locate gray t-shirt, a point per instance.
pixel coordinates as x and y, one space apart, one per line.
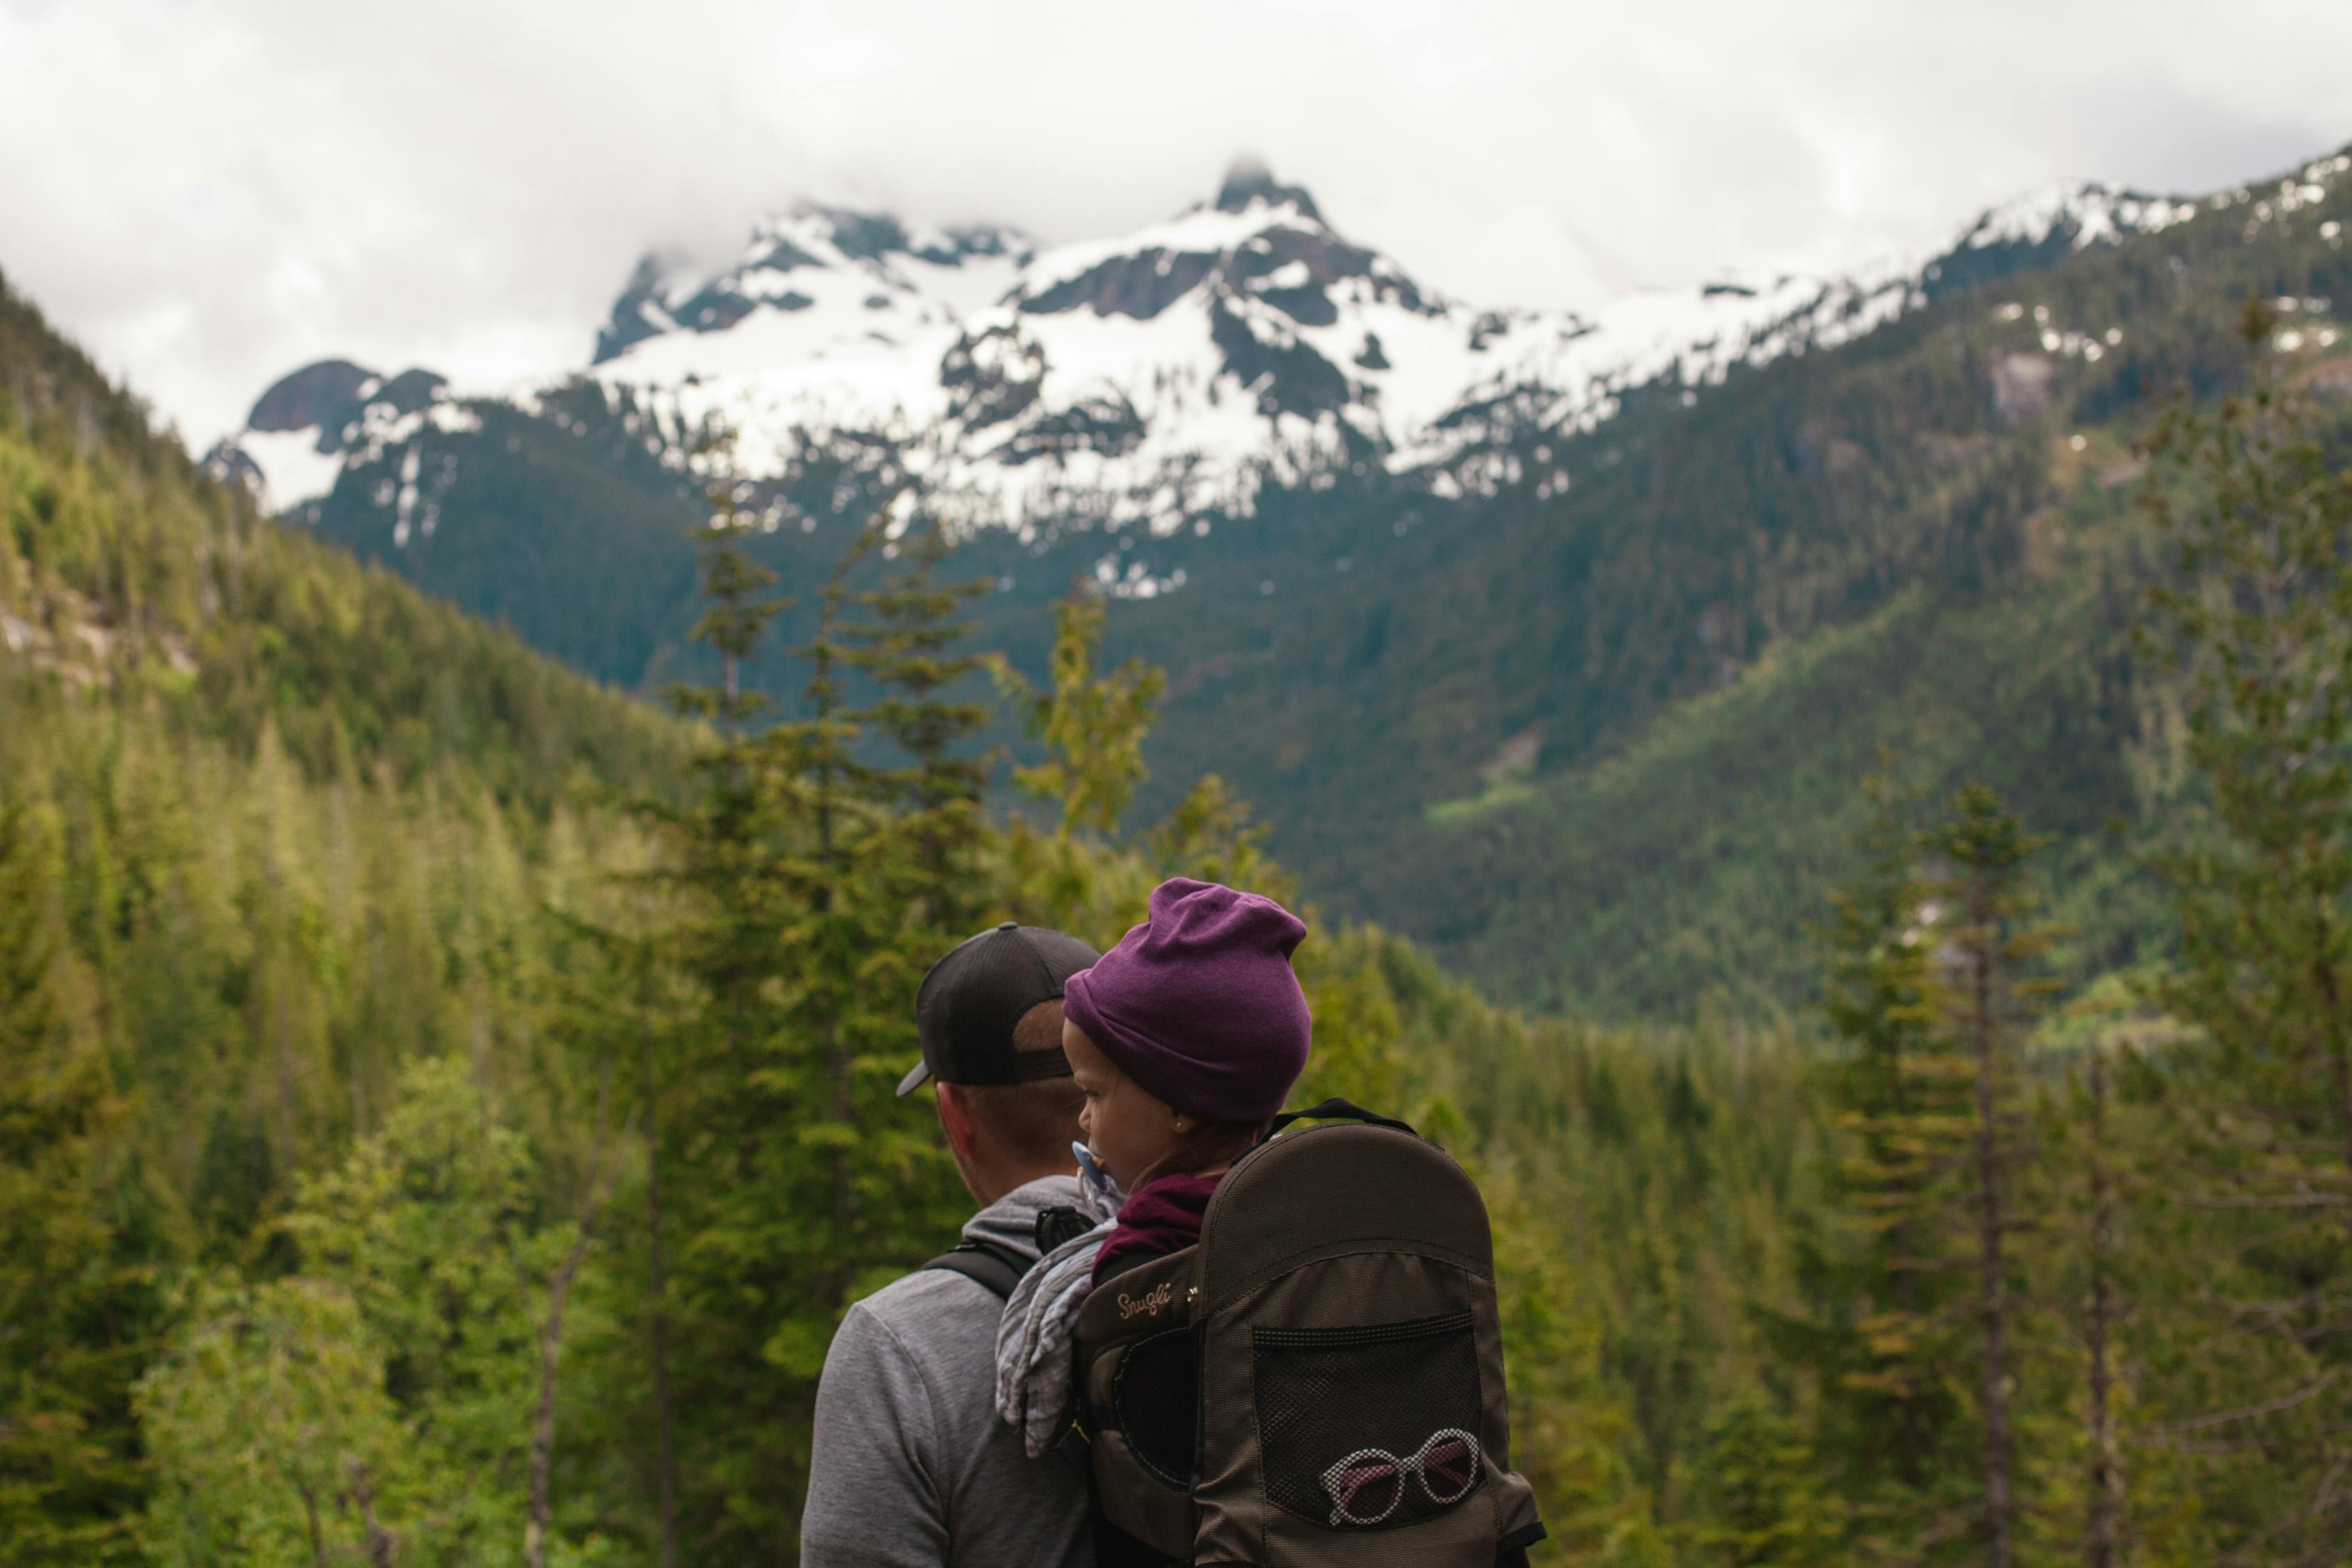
911 1467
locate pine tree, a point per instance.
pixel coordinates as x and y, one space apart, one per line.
896 795
1991 1004
2258 504
1092 725
2103 1489
909 648
736 610
598 1013
1882 1336
711 1114
1210 835
1931 960
881 878
826 861
1765 1502
651 1026
72 1310
394 1401
275 1444
433 1230
622 1008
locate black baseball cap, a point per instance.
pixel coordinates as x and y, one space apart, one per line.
971 1000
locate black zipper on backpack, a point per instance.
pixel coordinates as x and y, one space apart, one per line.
1363 1334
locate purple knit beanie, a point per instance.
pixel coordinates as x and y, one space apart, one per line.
1198 1004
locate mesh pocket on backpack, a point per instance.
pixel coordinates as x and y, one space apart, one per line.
1371 1427
1154 1398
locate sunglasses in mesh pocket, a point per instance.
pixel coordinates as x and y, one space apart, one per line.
1369 1485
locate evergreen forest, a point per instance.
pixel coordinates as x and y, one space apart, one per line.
446 1105
1588 735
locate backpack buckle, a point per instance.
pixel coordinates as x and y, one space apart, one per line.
1073 1447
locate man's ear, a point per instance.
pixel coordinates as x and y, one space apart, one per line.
955 1120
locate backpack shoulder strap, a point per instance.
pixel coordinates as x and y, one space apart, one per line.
991 1266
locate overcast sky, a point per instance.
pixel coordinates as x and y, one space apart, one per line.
207 194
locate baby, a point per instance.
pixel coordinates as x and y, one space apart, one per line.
1185 1039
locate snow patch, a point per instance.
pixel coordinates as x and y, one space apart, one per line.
293 470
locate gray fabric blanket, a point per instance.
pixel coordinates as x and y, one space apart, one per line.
1035 1362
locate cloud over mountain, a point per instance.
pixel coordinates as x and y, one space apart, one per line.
225 190
1156 377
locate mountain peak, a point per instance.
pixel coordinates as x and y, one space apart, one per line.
2038 227
857 234
1163 373
331 395
1248 182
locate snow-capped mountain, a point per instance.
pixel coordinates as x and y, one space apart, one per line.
1154 378
820 264
295 439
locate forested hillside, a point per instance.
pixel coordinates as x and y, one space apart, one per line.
361 988
1924 540
1582 728
445 1108
272 829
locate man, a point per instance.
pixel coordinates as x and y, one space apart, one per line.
911 1466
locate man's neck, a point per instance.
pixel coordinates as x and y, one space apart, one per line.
993 1187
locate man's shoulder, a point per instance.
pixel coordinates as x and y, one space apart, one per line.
932 1307
931 1340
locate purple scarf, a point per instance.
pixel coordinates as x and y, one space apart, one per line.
1163 1217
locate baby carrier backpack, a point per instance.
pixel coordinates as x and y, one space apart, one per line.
1319 1381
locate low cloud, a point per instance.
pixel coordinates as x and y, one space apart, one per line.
206 196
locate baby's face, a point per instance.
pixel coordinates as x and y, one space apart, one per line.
1130 1130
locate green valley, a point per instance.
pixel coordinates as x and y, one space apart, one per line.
336 1013
1362 651
1884 964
